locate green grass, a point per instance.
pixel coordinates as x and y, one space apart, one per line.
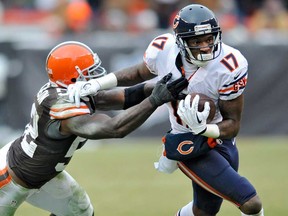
121 180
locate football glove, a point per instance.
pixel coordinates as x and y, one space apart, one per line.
81 89
164 92
176 86
160 93
189 114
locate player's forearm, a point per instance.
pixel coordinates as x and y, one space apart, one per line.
132 118
231 112
122 98
101 126
110 99
228 128
133 75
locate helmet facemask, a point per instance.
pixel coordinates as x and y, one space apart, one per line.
92 72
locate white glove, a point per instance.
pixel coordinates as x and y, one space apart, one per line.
166 165
191 116
81 89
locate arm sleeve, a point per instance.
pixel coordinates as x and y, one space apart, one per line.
134 95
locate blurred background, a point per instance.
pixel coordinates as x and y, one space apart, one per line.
119 31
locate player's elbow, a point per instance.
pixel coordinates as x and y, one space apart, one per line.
228 134
229 131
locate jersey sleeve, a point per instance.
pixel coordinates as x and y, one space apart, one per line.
235 80
155 52
62 110
57 105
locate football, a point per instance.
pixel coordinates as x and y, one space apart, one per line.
202 100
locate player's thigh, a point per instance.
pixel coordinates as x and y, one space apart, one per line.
214 173
12 196
63 196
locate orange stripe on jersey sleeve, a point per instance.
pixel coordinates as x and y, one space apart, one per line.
236 86
226 90
59 109
64 112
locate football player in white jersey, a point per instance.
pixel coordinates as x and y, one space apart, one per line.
196 52
32 166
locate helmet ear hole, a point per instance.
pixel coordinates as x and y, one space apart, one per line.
73 80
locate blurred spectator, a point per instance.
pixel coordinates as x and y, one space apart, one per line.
97 11
66 16
95 5
45 5
133 17
246 8
78 15
54 23
58 17
19 4
166 11
225 10
142 17
272 15
1 11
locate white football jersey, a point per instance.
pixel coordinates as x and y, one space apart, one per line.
223 78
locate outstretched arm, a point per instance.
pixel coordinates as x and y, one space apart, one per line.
99 126
133 75
122 98
125 77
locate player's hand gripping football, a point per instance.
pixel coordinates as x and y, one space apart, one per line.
190 114
164 92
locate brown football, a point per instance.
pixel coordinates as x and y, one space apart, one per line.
202 100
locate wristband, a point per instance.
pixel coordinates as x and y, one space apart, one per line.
212 131
108 81
134 95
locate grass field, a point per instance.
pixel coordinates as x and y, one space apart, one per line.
121 180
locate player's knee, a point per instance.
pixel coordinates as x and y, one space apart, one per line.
80 205
252 206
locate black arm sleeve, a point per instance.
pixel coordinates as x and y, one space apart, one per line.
134 95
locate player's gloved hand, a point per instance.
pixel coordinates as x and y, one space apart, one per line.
160 93
165 165
164 92
176 86
189 113
81 89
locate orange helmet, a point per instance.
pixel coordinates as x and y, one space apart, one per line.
72 61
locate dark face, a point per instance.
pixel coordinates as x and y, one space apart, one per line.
201 44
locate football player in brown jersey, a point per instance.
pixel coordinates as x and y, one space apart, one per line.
32 167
